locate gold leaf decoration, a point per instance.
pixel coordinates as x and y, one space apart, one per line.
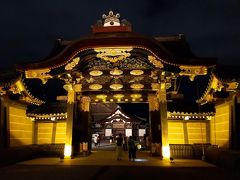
95 73
136 72
42 74
113 54
85 103
155 62
72 64
95 86
137 86
153 103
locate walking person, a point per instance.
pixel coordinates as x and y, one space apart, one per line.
131 149
98 140
119 147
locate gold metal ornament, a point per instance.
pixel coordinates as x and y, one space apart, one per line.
116 86
42 74
95 73
137 72
113 54
72 64
85 103
153 102
157 63
116 72
137 86
95 86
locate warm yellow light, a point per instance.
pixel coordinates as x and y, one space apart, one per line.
137 86
101 96
118 96
116 72
116 86
96 73
95 86
67 151
136 96
136 72
166 152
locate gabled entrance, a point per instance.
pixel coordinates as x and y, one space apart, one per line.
113 64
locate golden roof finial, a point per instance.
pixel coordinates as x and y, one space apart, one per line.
111 19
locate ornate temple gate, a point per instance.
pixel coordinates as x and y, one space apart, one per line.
114 64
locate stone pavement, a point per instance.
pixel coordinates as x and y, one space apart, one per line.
102 165
107 158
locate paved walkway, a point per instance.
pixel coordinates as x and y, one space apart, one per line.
102 165
107 158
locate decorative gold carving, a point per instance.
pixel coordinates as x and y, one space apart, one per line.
85 103
71 93
116 86
155 86
39 73
137 86
118 96
213 86
101 96
136 72
216 84
153 103
71 96
77 87
232 86
95 73
17 88
111 19
155 62
161 93
135 96
113 54
116 72
193 71
68 87
95 86
72 64
160 89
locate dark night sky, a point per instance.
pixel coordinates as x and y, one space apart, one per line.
29 28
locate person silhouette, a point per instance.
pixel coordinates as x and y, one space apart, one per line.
119 147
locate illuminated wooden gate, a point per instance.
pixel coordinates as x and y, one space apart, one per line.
113 64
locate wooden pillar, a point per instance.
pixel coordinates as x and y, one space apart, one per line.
164 122
155 124
68 149
4 123
54 130
83 136
208 132
185 132
34 132
1 123
235 124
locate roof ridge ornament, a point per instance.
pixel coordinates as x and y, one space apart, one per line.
111 19
111 23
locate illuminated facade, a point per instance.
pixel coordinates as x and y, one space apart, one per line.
115 65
